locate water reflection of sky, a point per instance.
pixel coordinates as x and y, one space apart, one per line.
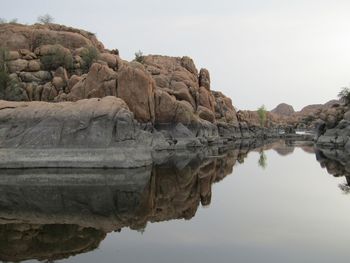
292 211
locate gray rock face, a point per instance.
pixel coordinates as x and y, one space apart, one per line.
87 123
99 133
337 135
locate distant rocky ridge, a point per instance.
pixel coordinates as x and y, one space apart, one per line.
283 109
308 117
330 122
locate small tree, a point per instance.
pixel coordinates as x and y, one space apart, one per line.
262 113
3 20
45 19
139 57
344 95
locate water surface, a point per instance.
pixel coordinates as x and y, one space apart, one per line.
273 204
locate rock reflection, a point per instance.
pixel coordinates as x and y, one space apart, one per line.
53 214
46 242
337 163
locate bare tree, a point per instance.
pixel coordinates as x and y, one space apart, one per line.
45 19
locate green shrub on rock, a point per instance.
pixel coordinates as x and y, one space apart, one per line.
89 56
14 91
4 76
344 95
262 113
57 57
139 57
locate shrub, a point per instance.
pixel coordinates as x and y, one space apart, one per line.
14 91
57 57
139 57
45 19
4 76
12 21
262 113
344 95
89 56
41 39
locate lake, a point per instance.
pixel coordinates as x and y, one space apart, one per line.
270 204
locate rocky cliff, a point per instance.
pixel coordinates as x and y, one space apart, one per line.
61 88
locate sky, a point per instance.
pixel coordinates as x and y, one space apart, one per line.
257 51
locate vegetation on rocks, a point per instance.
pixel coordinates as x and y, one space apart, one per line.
45 19
56 58
139 57
10 88
12 21
344 95
89 56
262 113
4 76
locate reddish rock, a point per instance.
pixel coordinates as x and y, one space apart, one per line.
204 78
283 109
136 88
99 82
17 36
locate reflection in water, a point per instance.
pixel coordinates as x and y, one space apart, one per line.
337 163
262 160
51 214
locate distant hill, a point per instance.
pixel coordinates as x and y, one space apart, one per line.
284 109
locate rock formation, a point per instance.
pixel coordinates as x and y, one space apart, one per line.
283 109
74 93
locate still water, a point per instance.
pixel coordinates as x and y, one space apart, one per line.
271 204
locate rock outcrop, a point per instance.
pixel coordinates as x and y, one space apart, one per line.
283 109
74 93
333 130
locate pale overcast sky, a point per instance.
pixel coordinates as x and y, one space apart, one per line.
257 51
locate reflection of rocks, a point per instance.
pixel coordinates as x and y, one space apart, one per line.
38 205
25 241
284 150
337 162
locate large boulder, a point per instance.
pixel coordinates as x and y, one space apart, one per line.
17 36
204 78
101 81
88 123
136 88
170 111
